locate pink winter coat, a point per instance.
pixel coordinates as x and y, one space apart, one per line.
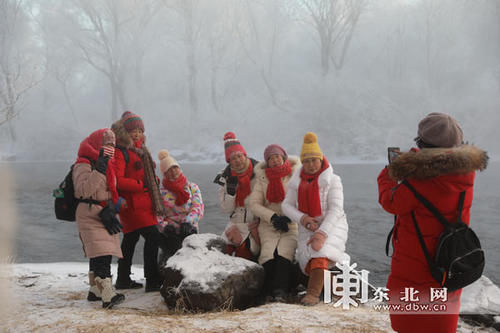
91 184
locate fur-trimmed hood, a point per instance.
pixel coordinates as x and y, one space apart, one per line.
123 139
434 162
260 169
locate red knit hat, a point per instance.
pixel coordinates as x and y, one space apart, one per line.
232 145
132 121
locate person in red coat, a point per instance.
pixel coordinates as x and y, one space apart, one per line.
439 170
139 217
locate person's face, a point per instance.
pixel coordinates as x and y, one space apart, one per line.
173 173
237 161
136 134
275 160
311 165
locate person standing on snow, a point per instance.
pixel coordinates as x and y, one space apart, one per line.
277 233
137 183
236 182
95 186
315 199
440 169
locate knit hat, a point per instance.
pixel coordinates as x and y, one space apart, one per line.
310 147
440 130
132 121
166 161
274 149
232 145
108 139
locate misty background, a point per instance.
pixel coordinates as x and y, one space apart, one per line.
359 73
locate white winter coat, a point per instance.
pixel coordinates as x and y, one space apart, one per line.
239 216
333 221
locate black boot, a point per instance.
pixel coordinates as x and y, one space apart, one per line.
153 285
281 279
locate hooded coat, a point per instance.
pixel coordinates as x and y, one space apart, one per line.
91 184
131 186
333 222
440 175
270 238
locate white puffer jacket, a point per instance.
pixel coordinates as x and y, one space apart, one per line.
333 221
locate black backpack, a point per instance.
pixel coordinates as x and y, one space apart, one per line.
65 202
459 259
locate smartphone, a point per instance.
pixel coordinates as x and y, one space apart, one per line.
392 153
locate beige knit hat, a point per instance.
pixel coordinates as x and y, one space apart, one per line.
440 130
166 161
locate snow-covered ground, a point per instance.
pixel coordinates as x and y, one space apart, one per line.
52 298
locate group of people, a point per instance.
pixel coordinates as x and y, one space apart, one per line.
282 210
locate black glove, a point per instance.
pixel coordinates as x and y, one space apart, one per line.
231 183
109 220
102 162
186 229
280 223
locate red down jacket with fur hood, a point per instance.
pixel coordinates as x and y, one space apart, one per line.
440 175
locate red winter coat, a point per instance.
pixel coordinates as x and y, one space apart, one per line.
439 175
130 183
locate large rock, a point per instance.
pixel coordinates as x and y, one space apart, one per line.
201 277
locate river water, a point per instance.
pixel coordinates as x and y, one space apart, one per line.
41 238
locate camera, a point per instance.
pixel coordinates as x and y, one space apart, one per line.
393 153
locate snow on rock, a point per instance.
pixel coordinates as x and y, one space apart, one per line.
483 296
201 277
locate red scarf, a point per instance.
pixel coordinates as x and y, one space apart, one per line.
275 190
177 187
308 196
243 188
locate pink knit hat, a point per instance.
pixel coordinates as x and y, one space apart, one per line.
232 146
274 149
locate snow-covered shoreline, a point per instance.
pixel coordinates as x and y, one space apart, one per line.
52 297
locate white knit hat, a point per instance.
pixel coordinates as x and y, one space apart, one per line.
166 161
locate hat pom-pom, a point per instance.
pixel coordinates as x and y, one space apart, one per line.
163 154
229 135
310 137
126 113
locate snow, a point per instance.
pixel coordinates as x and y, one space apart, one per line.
202 266
52 297
483 296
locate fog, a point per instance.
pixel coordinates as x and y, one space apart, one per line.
359 73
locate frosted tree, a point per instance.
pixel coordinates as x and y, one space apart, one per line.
334 22
20 70
109 39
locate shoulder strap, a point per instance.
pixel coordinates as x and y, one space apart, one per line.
429 206
461 205
125 154
389 236
434 269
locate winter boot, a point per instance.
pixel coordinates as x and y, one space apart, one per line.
94 292
108 294
152 285
314 287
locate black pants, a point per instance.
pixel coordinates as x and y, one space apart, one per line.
151 240
278 274
101 266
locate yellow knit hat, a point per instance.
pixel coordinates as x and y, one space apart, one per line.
310 148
